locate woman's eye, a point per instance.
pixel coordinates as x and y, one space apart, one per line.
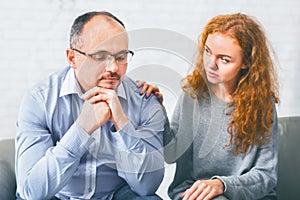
207 51
224 60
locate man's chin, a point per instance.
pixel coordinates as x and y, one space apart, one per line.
111 86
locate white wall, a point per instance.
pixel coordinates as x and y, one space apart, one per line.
34 36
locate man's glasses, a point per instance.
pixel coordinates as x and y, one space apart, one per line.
122 57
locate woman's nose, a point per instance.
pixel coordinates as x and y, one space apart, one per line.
212 63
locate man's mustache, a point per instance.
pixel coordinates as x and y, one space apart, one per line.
111 75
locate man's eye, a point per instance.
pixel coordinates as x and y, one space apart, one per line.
121 57
100 57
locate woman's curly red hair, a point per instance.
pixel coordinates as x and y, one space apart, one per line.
256 88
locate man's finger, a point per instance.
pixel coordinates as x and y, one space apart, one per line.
97 98
90 93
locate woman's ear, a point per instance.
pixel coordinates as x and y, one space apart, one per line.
244 69
244 66
71 58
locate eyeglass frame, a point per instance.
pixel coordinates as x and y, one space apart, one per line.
107 58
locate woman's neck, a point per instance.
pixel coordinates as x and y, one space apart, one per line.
221 92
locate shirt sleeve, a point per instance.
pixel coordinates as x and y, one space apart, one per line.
261 178
43 168
139 152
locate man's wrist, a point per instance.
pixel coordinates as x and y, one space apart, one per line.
88 129
120 123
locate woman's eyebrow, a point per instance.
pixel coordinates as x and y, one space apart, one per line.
220 55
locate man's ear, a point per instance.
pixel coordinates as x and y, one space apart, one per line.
71 58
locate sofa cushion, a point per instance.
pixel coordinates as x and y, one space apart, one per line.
7 181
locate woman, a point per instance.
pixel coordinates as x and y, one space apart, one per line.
223 135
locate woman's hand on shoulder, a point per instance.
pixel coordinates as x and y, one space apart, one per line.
148 89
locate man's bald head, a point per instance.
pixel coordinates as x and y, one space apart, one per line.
80 21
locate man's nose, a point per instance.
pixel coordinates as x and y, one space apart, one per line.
111 65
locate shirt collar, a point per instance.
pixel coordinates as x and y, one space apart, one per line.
71 86
121 91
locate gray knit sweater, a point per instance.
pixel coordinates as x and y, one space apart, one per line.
196 140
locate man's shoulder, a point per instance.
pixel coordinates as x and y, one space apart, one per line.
130 86
129 82
133 91
52 83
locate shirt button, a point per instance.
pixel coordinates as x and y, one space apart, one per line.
90 189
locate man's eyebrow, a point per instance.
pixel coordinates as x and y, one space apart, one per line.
101 52
107 52
120 52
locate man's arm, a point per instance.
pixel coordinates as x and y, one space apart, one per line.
138 147
43 169
140 158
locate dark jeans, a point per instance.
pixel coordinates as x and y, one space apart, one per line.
53 198
125 193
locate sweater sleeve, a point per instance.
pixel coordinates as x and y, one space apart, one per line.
261 178
169 137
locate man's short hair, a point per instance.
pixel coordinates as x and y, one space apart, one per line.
81 20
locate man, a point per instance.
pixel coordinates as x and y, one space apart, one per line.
86 132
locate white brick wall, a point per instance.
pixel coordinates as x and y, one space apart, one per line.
34 36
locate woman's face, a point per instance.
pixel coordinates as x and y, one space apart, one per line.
222 59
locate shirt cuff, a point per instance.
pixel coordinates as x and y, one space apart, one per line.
76 140
125 138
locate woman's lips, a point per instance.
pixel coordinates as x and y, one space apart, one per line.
212 75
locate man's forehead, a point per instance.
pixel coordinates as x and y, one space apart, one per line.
116 42
112 49
102 23
101 32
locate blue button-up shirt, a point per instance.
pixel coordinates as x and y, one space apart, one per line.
55 156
